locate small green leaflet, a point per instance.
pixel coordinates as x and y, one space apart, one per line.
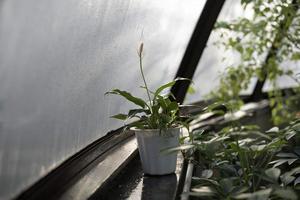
168 85
119 116
129 97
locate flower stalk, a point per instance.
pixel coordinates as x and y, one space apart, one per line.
140 53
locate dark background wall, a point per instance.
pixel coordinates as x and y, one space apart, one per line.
58 57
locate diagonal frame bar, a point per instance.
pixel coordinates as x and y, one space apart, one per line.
196 46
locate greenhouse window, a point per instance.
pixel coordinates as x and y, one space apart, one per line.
150 100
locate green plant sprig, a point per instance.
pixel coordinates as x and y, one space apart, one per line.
241 162
274 30
158 113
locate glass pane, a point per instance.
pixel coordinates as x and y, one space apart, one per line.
58 58
214 59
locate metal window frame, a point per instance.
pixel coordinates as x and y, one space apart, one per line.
196 47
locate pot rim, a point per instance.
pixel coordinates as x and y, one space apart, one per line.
151 130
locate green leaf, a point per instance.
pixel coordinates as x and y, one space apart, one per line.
290 134
204 191
282 161
250 127
173 106
133 112
273 174
273 130
129 97
182 139
295 170
207 173
291 161
227 185
297 181
251 133
166 119
278 162
200 180
286 155
168 85
246 2
163 102
259 195
191 90
238 190
179 148
214 106
296 127
137 124
258 147
295 56
222 24
297 150
197 134
120 116
287 178
285 193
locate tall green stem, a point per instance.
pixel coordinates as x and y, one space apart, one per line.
145 83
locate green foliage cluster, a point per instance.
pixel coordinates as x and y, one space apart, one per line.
263 42
157 112
241 162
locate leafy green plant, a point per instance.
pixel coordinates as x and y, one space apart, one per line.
157 112
241 162
264 41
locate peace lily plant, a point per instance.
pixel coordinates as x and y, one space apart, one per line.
157 126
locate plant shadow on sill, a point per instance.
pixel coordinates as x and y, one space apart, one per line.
131 184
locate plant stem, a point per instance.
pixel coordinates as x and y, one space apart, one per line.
145 83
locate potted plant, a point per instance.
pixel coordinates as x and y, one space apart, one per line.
158 125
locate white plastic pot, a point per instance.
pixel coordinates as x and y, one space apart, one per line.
150 145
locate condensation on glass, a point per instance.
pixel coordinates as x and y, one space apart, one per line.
58 58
